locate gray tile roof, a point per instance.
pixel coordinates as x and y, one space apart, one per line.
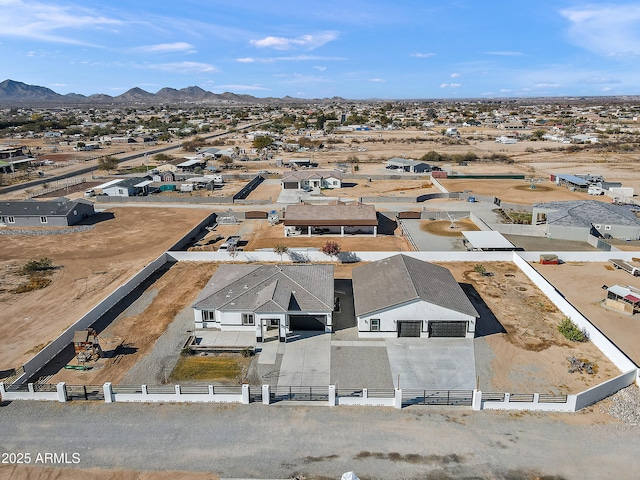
269 288
400 279
59 207
582 213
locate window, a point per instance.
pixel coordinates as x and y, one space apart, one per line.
207 315
43 219
607 227
375 324
247 319
598 226
11 220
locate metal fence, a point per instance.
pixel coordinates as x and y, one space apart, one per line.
437 397
301 394
85 392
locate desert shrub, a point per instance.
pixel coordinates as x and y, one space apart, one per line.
36 266
571 332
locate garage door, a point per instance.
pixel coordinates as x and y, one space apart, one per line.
409 329
447 329
307 322
290 185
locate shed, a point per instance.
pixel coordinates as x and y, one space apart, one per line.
487 241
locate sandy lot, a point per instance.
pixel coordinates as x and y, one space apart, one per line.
581 284
530 354
518 191
90 265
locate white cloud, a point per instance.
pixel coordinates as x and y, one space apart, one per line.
238 87
608 30
547 85
450 85
166 48
182 67
377 80
319 68
505 54
51 23
293 58
308 42
423 55
455 75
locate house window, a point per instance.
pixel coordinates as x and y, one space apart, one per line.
375 324
11 220
607 227
598 227
247 319
207 315
43 219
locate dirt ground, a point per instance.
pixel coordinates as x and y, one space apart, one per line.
25 472
174 291
529 354
264 235
518 191
445 228
581 284
90 265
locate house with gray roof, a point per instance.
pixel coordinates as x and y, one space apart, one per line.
309 179
401 296
260 297
582 219
408 165
60 212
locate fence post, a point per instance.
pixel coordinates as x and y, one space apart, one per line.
30 387
108 392
210 389
144 390
476 402
2 389
398 398
332 395
61 388
536 398
266 394
177 388
365 393
245 393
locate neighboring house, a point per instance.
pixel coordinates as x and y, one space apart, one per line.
126 187
623 299
580 219
584 138
338 218
61 212
401 296
191 163
408 165
260 297
308 179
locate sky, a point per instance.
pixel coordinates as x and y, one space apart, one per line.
355 49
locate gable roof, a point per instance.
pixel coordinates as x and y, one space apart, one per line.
309 174
400 279
269 288
55 208
354 214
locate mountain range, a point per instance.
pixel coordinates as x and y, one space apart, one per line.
18 93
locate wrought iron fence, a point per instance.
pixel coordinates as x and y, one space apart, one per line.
301 394
437 397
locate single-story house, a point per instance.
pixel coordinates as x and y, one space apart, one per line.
60 212
336 218
408 165
401 296
308 179
580 219
191 163
126 187
260 297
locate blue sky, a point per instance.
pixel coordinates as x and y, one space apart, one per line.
351 48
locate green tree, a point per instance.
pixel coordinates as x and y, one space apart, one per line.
107 163
226 161
262 142
162 158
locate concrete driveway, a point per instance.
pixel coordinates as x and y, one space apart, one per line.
306 360
432 364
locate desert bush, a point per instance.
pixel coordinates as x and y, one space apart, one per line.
571 332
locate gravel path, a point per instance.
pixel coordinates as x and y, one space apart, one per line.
625 405
155 367
280 441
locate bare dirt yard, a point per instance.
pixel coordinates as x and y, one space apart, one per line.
386 188
172 292
517 191
528 352
264 235
89 266
581 284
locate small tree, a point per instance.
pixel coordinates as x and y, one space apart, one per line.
262 142
226 161
479 268
331 248
107 163
280 249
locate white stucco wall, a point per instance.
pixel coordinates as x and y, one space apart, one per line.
416 310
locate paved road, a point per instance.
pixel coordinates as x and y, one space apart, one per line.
278 441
